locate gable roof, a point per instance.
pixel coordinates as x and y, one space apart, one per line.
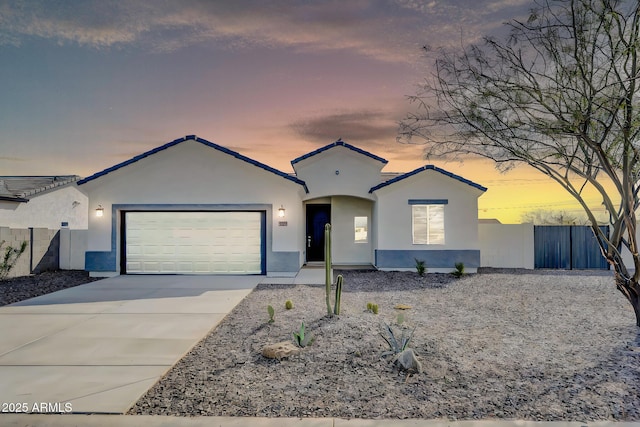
19 188
339 143
204 142
424 168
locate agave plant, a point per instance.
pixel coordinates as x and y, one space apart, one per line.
302 339
396 345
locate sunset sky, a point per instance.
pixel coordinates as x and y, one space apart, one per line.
87 84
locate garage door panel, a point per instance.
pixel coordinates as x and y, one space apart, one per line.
194 242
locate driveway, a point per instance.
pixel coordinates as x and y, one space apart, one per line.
98 347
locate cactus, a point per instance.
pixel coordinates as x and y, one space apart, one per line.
374 308
336 308
328 278
327 266
272 313
288 304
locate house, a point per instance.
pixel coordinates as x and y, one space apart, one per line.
42 202
194 207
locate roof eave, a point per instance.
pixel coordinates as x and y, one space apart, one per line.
424 168
204 142
338 143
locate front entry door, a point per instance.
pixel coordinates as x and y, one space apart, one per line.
317 217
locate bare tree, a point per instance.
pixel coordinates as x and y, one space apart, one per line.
561 95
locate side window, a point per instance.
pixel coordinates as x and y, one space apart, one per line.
361 229
428 224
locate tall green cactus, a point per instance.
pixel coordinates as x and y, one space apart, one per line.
336 308
328 278
327 266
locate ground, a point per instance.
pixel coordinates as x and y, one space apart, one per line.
21 288
508 345
499 344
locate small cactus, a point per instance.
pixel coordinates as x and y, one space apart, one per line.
288 304
272 313
372 308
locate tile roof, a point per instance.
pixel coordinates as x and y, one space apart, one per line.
19 188
423 168
204 142
339 143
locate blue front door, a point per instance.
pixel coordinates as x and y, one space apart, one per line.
317 217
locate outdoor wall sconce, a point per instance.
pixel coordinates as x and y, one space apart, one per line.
281 212
99 211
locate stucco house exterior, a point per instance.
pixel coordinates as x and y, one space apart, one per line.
42 202
194 207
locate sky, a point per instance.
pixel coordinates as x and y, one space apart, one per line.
87 84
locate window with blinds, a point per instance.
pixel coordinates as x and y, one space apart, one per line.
428 224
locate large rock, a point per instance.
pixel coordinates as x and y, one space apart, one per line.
280 350
408 361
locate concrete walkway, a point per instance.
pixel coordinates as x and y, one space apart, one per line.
98 347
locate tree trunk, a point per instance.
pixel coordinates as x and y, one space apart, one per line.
631 290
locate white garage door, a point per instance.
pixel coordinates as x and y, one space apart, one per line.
193 242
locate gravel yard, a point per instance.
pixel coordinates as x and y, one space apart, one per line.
500 344
513 344
21 288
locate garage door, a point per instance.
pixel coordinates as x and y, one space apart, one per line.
193 242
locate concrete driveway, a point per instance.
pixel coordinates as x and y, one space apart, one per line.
98 347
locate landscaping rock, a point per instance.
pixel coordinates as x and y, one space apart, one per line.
280 350
408 361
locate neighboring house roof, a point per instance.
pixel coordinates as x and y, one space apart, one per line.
20 188
339 143
13 199
424 168
204 142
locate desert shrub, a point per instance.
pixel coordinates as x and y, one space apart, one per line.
420 267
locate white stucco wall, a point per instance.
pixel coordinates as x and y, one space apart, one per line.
627 258
48 210
73 245
344 248
356 173
191 173
506 245
393 213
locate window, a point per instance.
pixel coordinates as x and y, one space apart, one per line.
360 227
428 224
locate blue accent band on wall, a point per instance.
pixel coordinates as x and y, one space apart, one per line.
442 258
428 201
100 261
284 262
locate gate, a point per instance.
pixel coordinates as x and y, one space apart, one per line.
568 247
